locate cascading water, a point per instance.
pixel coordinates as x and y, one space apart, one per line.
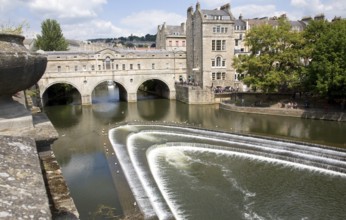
188 173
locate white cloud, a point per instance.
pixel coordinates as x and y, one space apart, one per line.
253 11
93 29
145 22
329 8
299 3
67 9
210 4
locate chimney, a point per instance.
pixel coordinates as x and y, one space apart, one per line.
226 7
198 6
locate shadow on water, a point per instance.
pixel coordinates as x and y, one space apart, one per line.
150 110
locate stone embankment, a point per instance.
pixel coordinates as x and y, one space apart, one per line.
31 182
23 193
308 113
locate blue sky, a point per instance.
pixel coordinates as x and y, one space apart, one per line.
82 19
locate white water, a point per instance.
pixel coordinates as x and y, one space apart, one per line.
131 159
180 160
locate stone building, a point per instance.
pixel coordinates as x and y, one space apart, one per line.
210 46
129 69
171 37
240 27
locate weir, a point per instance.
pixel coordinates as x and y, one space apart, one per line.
139 148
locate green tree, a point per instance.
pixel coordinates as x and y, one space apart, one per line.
273 64
326 46
52 38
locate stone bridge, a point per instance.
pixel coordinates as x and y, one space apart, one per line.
129 69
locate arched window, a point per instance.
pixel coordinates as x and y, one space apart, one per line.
108 63
218 61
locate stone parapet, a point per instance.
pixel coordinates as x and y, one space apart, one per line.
23 193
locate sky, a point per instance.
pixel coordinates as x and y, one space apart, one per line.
88 19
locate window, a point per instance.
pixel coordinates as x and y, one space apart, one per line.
170 43
75 68
183 43
213 76
223 75
220 29
218 75
218 62
117 66
92 67
218 45
124 67
108 63
236 42
99 67
139 66
223 45
84 68
131 66
177 43
153 66
59 68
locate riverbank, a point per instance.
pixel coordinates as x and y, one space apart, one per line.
307 113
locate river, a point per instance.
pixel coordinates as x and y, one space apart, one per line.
80 151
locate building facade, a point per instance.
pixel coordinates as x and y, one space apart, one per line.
210 46
170 37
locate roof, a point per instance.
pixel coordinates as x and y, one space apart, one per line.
215 12
174 29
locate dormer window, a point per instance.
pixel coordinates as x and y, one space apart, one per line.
217 17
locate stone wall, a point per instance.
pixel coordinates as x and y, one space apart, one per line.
298 113
194 95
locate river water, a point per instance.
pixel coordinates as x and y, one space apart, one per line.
80 152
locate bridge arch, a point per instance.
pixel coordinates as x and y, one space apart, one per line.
45 89
159 87
122 90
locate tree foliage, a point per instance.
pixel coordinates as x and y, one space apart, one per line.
326 44
273 64
52 38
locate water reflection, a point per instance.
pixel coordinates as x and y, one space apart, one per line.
81 142
153 110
